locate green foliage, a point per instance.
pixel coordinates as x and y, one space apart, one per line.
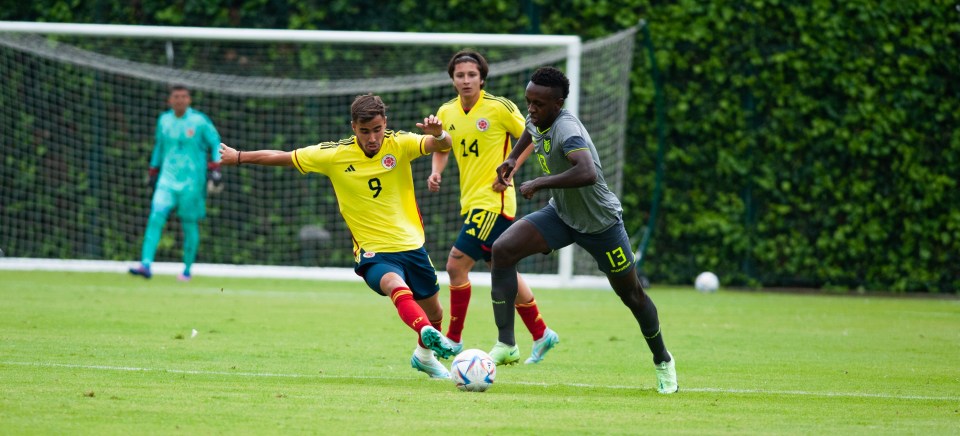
808 144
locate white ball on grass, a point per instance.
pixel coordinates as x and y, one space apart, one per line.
707 282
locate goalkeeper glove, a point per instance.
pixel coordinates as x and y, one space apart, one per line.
152 175
213 173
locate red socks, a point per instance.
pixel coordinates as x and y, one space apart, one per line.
531 318
459 302
410 312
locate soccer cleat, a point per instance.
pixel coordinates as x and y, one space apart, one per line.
141 270
457 347
667 376
542 345
183 277
504 354
436 341
431 367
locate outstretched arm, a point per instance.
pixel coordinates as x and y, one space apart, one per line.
273 158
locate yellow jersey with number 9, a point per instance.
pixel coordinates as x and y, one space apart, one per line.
375 194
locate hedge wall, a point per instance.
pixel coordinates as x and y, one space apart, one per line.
808 143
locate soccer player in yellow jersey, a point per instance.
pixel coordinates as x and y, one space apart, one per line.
481 125
371 175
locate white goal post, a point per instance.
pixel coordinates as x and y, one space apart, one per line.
29 49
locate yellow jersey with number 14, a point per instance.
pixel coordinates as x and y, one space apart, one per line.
375 194
481 142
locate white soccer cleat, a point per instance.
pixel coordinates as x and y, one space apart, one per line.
542 345
431 366
667 376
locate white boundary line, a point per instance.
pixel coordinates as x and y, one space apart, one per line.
277 272
579 385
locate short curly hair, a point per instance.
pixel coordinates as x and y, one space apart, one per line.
468 55
552 78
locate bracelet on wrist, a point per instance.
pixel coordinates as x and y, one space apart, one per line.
443 135
238 157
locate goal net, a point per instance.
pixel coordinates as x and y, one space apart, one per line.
78 107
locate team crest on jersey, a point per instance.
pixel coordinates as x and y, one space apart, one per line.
389 161
483 124
546 145
369 254
190 133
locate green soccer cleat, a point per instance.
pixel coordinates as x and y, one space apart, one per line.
431 367
504 354
542 345
436 341
667 376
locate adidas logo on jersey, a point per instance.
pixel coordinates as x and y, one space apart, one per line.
451 128
350 169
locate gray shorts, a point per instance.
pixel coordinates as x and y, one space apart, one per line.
610 247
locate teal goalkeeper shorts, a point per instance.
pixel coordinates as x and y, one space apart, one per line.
190 202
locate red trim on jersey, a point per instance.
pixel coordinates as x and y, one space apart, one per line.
420 215
503 195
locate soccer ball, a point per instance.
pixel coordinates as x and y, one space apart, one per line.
707 282
473 370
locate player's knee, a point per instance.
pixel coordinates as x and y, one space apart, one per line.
453 268
457 267
159 215
504 254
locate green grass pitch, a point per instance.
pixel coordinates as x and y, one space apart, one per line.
94 353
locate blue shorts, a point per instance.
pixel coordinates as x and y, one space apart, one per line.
610 247
413 266
190 202
480 229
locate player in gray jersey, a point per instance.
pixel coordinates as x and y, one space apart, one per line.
582 210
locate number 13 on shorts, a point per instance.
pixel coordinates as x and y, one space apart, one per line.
617 259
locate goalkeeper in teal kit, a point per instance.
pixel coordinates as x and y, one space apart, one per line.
185 156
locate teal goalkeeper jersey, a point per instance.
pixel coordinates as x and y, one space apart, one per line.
182 149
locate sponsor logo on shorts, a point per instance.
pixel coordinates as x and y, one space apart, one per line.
369 254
